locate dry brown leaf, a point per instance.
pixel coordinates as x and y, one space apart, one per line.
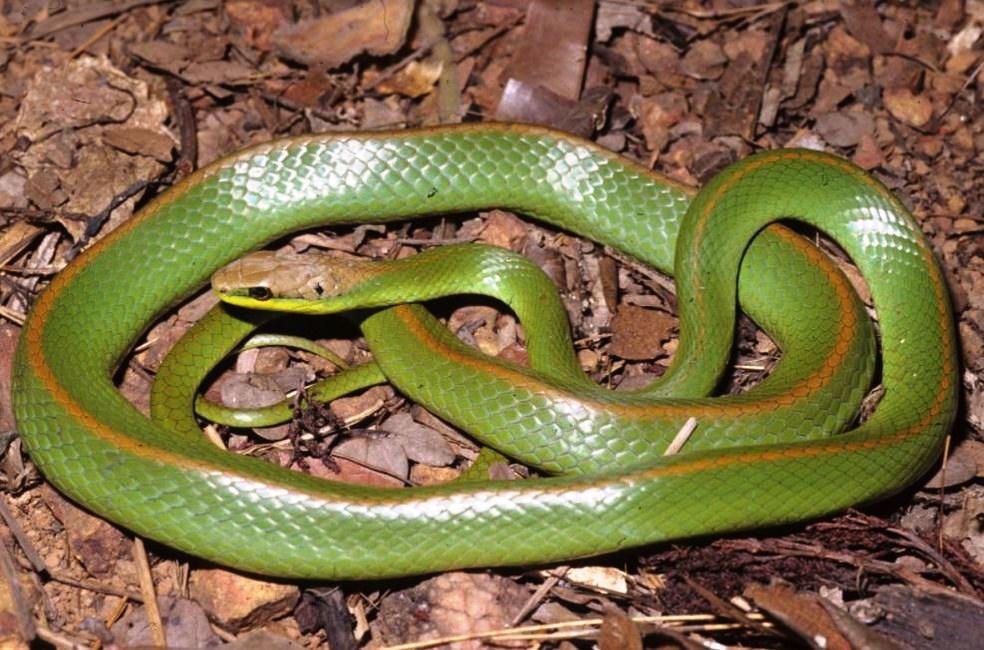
378 451
382 113
704 60
504 229
237 602
868 155
377 27
415 80
553 48
262 640
657 57
185 626
424 475
960 467
347 471
9 334
618 632
864 23
844 128
599 577
145 142
422 444
256 390
65 112
964 524
358 407
163 54
310 90
911 109
802 613
614 15
218 72
657 115
257 21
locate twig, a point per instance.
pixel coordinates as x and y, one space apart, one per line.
448 85
95 587
726 609
25 624
149 596
83 15
29 550
184 116
523 632
18 269
939 510
14 317
681 438
61 640
96 36
713 13
541 592
916 542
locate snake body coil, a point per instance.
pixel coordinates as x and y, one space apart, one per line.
176 487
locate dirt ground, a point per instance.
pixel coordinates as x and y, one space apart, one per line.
105 104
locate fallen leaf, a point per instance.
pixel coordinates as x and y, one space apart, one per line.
504 229
141 141
378 27
377 451
422 444
185 626
868 155
618 632
8 343
415 80
600 577
351 410
218 72
257 21
657 115
262 640
255 390
914 110
704 60
163 54
237 602
844 128
801 613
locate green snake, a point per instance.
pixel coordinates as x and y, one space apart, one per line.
171 485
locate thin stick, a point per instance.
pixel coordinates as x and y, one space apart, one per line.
681 438
149 596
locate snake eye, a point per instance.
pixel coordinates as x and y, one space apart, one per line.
260 293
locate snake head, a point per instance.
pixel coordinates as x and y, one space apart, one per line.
288 281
